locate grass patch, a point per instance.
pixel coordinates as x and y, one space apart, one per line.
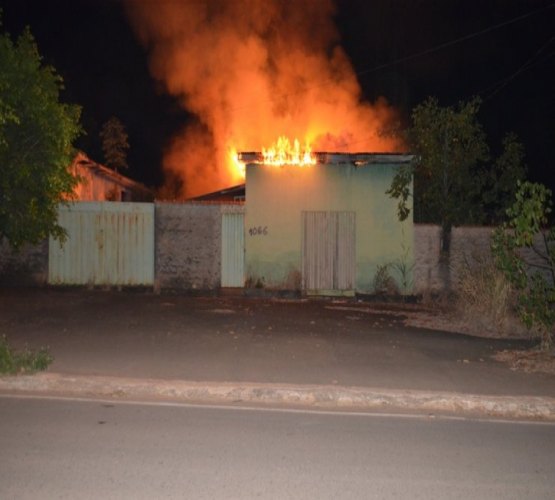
485 294
25 361
486 301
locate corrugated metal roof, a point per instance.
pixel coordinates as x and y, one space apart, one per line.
233 194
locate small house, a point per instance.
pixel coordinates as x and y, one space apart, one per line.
100 183
328 228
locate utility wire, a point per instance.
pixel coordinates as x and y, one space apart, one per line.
455 41
431 50
529 64
526 66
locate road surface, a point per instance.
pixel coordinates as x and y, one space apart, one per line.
92 449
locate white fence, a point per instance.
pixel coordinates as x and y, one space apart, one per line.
108 244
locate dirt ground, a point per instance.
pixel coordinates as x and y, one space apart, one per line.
236 314
440 317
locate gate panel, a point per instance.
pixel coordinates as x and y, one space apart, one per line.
317 263
328 251
108 244
233 250
345 263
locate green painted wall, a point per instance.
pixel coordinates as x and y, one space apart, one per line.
276 196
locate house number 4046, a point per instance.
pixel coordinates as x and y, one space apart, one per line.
258 231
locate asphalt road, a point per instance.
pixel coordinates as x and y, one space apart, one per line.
75 449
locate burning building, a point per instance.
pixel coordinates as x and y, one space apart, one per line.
248 72
325 227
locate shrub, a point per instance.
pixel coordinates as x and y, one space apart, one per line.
26 361
535 282
383 282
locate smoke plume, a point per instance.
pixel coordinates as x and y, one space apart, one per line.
250 71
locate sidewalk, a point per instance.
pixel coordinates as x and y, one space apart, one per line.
319 353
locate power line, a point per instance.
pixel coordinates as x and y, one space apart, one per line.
455 41
416 55
529 64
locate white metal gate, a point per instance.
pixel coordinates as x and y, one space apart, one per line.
109 243
328 251
233 250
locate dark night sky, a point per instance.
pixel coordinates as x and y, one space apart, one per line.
512 67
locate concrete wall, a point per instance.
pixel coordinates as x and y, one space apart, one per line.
187 250
467 243
276 197
188 246
432 275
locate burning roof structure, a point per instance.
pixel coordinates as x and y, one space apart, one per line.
357 159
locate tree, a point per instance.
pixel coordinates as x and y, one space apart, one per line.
36 136
533 278
450 147
502 179
453 181
114 143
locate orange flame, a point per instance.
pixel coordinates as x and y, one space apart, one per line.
236 166
245 83
283 153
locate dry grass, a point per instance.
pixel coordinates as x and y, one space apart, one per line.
486 300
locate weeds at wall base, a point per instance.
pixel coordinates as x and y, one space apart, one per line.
26 361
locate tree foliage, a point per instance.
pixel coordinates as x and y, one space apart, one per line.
534 279
114 143
36 136
451 182
502 179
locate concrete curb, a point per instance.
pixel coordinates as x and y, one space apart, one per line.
313 396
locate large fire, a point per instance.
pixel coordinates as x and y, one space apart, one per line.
250 71
284 153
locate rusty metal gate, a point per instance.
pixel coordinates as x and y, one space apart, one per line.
233 250
328 252
109 243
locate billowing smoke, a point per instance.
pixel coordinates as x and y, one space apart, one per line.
250 71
